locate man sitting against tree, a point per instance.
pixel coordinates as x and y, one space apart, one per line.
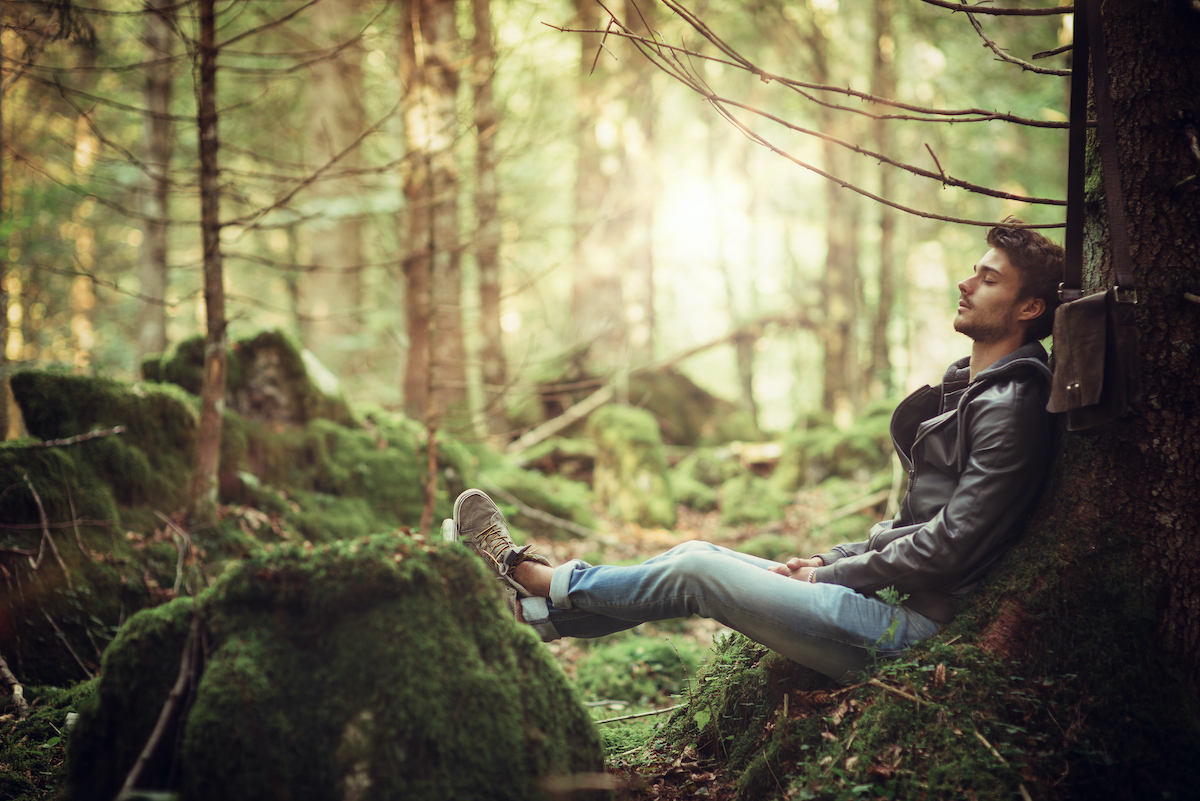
976 449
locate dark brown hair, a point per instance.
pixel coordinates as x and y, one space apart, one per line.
1040 265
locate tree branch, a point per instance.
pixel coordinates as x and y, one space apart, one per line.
57 443
14 686
1003 12
995 48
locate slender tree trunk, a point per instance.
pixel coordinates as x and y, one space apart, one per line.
157 142
5 393
598 300
879 383
435 377
212 394
487 234
331 295
838 283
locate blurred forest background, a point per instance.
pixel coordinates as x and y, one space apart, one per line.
552 213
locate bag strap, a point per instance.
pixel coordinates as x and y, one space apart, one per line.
1089 28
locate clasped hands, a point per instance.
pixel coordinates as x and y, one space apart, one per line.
798 568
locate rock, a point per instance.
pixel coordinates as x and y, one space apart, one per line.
376 668
750 499
631 470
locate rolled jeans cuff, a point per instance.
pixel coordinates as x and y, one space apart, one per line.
536 614
560 583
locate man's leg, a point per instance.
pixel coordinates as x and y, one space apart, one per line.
827 627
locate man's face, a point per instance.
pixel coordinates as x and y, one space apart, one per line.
990 308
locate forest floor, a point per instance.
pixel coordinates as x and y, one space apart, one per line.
649 669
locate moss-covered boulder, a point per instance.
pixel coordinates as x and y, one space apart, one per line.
750 499
631 468
269 378
379 668
687 413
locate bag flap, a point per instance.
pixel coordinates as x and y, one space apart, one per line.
1079 343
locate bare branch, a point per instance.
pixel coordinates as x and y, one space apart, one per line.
14 686
46 538
67 643
1003 12
55 443
995 48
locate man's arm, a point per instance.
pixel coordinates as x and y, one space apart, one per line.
1008 441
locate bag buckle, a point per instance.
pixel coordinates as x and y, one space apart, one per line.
1067 294
1125 295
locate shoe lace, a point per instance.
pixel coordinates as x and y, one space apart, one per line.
493 540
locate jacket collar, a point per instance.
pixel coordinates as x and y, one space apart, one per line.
1030 355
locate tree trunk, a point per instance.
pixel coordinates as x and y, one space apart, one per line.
435 377
157 144
487 233
331 294
598 299
1109 572
212 393
883 84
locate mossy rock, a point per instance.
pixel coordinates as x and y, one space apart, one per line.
631 469
687 413
710 466
377 668
692 493
750 499
555 494
269 378
823 450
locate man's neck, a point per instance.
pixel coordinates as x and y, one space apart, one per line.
985 354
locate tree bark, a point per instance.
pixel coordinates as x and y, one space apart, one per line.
435 376
883 84
157 144
487 219
212 394
331 294
598 299
840 278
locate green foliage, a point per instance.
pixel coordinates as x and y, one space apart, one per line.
631 469
32 750
555 494
751 499
688 414
639 669
825 450
710 466
380 662
690 492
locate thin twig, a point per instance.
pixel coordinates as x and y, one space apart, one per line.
995 48
83 521
18 692
1007 12
65 642
46 538
75 524
641 714
58 443
990 747
169 709
890 689
185 547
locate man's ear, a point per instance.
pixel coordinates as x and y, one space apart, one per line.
1032 309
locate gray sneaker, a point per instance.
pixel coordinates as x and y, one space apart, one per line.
479 525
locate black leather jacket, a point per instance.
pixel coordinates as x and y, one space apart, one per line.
976 454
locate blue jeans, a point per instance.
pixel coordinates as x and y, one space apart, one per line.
827 627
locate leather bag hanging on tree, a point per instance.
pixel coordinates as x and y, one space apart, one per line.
1097 373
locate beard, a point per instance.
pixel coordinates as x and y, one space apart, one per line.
981 328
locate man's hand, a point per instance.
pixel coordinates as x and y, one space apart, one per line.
798 568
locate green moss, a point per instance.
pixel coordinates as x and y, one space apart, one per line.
268 376
380 664
32 750
554 494
631 470
638 669
822 449
751 499
690 492
688 414
710 466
